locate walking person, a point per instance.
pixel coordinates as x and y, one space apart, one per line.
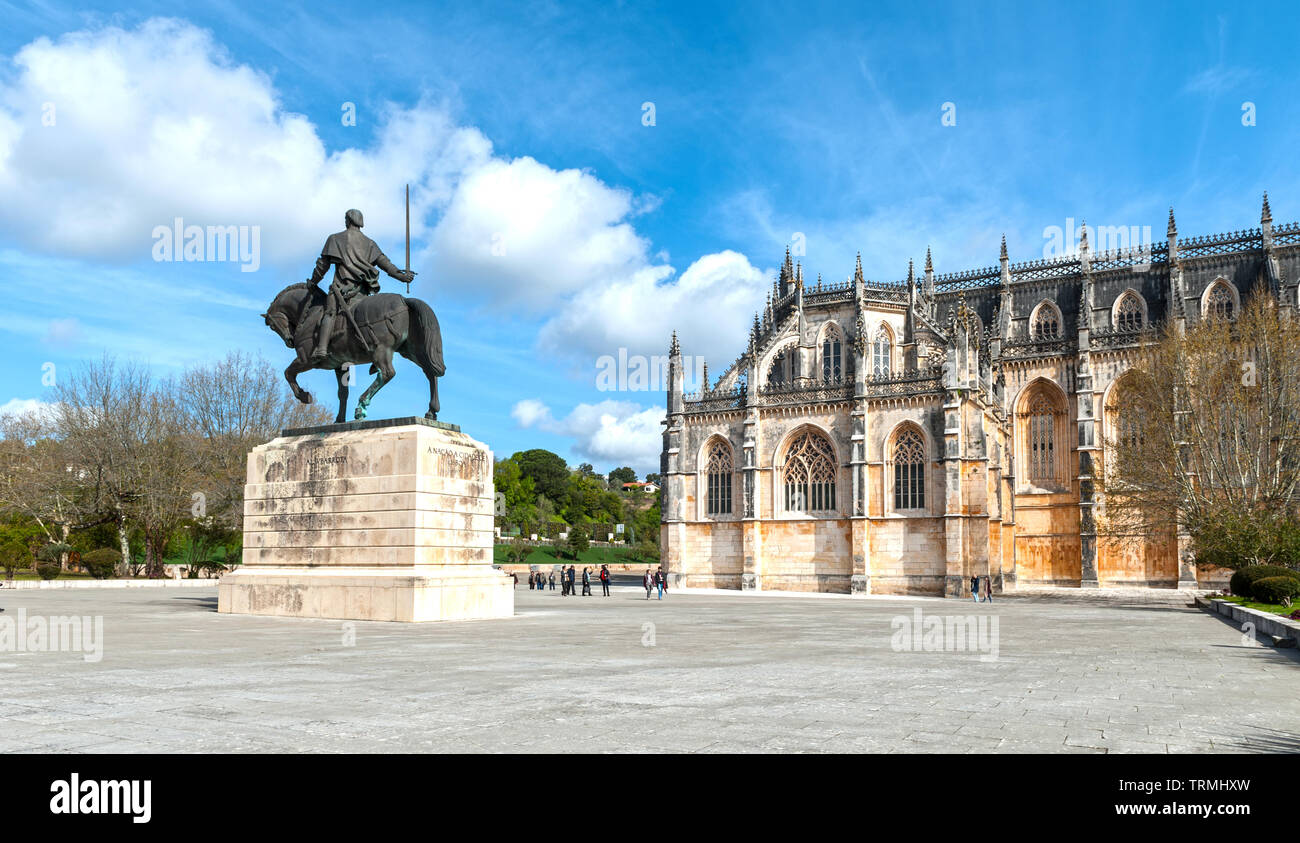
660 582
975 588
552 579
586 582
604 579
988 588
532 580
649 582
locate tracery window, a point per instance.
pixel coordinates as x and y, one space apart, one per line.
909 470
832 357
718 479
1219 302
809 474
1047 322
1128 315
1041 440
881 351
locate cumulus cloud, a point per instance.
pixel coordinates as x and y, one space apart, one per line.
107 133
528 235
609 432
710 306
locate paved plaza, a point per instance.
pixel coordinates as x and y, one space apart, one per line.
726 672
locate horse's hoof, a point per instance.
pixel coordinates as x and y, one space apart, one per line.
306 398
359 414
431 416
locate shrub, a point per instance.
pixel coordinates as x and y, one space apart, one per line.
1276 589
517 552
14 555
1243 579
102 563
48 570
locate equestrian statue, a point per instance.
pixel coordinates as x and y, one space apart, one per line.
354 323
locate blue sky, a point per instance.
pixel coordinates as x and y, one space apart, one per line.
522 126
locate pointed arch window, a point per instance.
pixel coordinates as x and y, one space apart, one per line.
1041 439
832 357
882 350
1129 314
1220 303
1047 322
809 474
718 479
909 470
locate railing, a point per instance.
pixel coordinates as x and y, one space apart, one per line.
715 400
908 382
1221 244
1038 347
813 391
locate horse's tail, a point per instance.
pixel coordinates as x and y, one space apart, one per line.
425 338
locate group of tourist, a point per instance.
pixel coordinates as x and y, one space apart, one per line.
541 580
538 581
657 580
981 589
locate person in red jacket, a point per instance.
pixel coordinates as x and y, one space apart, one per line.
604 579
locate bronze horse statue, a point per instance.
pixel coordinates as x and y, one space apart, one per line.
370 332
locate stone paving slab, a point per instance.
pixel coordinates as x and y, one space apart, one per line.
726 673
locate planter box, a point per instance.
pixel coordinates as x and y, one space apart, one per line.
1265 623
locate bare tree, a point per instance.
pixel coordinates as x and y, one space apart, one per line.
1205 437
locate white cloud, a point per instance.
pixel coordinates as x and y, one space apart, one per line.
159 122
610 432
711 306
526 234
23 406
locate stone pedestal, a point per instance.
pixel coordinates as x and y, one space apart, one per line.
375 520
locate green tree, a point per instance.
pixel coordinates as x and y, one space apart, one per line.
520 491
548 471
619 476
578 542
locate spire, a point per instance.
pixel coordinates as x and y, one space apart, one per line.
674 350
911 273
857 270
705 377
1002 256
1266 215
929 264
1083 237
1172 231
755 330
798 275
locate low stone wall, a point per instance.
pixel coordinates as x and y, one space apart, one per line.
1266 624
158 583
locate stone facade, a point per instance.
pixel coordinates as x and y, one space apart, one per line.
901 437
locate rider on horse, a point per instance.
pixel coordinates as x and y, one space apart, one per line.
354 257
